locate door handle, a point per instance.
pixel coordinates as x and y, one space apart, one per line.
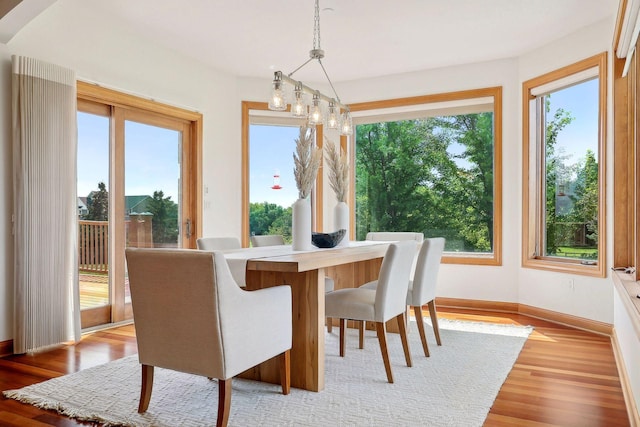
188 226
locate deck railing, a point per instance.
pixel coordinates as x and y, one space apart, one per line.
93 241
93 246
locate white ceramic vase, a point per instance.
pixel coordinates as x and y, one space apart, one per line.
341 220
301 225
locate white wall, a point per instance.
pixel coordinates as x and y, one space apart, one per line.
105 51
101 49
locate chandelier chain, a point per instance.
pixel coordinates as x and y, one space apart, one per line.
316 27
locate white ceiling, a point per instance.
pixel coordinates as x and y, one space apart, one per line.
361 38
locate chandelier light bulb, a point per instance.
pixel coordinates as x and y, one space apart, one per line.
298 106
332 118
278 101
315 113
347 124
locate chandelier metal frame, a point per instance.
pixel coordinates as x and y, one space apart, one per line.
313 112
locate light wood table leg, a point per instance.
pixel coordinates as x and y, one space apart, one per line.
307 293
307 351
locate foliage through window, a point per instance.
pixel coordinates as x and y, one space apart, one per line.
571 174
433 172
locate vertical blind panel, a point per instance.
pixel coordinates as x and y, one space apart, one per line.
45 144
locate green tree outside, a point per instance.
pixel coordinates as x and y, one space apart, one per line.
98 204
165 218
556 176
586 195
269 218
408 178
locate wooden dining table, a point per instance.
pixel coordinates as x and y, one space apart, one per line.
349 266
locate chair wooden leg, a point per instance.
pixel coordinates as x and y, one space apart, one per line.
402 327
329 324
343 323
382 338
417 311
146 389
224 402
361 327
285 371
434 320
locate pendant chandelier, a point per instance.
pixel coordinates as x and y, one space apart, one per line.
335 116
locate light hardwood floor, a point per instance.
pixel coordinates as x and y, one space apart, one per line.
563 376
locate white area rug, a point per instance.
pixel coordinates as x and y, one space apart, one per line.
456 386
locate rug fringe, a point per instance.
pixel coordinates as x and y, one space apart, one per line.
72 412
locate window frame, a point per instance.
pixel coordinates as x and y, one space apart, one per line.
494 258
316 193
532 178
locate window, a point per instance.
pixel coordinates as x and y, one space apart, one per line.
268 186
433 164
564 169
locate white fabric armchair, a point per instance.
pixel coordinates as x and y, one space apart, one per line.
191 316
378 305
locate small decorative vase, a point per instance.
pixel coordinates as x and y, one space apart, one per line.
341 220
301 225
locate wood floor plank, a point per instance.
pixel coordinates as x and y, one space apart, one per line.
11 420
563 376
496 420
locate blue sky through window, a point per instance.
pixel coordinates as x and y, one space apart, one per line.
93 152
151 157
271 151
581 100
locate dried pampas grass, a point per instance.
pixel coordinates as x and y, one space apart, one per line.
306 161
338 170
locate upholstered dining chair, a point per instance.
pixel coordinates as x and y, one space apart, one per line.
397 236
394 235
388 236
422 289
378 305
267 240
191 316
218 243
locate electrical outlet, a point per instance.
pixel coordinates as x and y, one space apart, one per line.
569 283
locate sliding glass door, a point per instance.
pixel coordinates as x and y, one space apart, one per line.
136 188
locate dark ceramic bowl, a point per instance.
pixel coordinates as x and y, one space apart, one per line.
327 240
